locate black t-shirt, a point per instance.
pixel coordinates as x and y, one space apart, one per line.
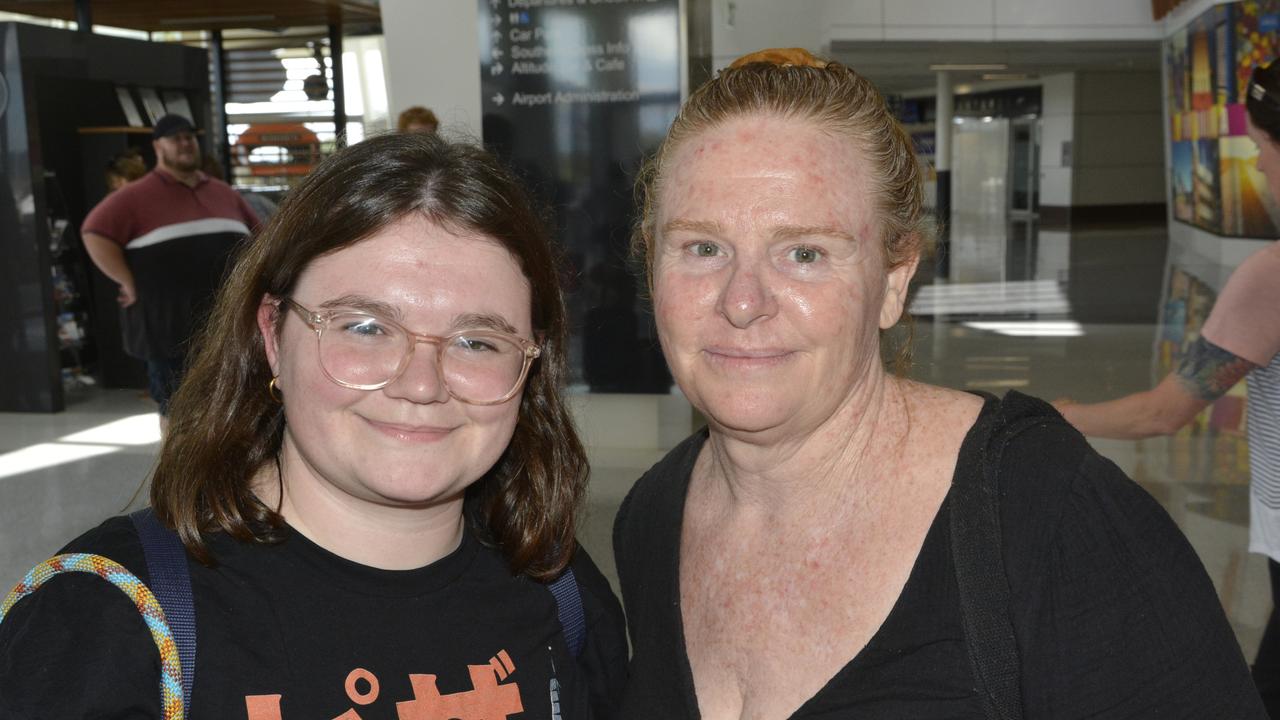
1113 613
291 631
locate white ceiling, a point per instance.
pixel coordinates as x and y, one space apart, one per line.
903 67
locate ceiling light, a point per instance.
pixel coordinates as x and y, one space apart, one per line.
969 66
1030 328
994 298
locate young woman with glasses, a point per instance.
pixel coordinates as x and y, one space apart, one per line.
372 471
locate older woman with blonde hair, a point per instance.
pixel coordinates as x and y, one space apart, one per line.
841 542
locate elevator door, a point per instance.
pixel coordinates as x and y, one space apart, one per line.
1024 168
979 198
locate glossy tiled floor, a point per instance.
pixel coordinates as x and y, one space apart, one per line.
1048 313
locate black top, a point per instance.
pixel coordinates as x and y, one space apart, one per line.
296 628
1113 612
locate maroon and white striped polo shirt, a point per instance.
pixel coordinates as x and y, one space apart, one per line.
178 241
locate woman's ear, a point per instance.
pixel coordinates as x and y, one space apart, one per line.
268 320
895 291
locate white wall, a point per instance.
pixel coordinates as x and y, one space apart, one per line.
1185 13
741 26
1209 257
433 59
989 20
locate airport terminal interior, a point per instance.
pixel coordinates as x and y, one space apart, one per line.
1084 245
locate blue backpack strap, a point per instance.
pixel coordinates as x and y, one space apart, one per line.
170 581
569 608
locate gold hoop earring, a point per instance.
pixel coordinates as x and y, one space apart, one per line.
274 391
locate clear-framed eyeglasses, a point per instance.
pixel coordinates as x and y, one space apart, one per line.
364 351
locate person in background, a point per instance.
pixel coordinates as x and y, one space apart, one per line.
839 542
1239 340
417 119
166 240
372 469
124 168
262 206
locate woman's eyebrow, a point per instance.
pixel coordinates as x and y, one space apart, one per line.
705 227
483 320
798 231
365 304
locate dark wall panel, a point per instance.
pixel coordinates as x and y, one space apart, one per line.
60 82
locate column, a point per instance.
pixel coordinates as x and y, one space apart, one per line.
84 16
433 55
218 113
942 164
339 88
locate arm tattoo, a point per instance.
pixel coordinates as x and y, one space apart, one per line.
1208 372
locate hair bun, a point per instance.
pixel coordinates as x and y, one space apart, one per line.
785 57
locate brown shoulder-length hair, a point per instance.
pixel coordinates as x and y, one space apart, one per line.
792 83
224 427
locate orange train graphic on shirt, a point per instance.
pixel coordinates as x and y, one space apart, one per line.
490 697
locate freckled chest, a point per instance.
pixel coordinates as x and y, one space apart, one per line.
771 614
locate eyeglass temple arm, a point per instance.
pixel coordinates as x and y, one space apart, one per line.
313 319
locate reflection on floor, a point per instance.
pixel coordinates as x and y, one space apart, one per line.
1049 313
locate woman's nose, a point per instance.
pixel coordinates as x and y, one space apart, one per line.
421 381
746 297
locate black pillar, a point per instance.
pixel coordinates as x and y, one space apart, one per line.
339 95
943 210
84 16
218 143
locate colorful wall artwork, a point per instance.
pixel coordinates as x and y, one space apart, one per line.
1214 181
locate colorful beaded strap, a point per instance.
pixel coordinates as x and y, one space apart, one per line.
114 573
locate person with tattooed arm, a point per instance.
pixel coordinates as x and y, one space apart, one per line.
1240 340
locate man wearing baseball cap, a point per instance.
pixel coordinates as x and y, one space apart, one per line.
166 239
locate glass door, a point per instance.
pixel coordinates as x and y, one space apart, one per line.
1024 167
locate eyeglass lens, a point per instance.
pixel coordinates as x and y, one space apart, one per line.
363 351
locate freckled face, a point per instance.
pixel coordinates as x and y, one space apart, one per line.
410 442
1268 158
769 278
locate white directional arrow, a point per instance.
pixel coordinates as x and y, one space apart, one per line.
498 99
495 69
497 53
497 19
497 37
494 3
